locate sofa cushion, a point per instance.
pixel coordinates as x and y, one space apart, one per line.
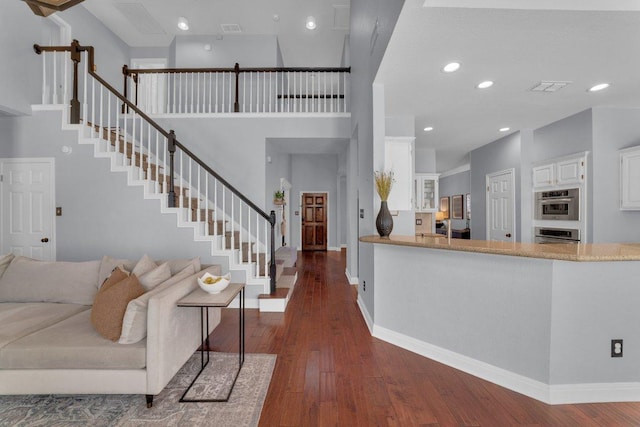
71 344
19 319
111 303
5 260
177 265
153 278
134 323
29 280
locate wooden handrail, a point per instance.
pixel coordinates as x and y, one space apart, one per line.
173 143
130 71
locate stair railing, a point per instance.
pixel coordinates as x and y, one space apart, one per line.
238 90
137 140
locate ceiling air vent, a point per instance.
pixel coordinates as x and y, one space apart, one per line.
549 86
139 18
231 28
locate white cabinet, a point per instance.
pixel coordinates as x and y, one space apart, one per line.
425 192
398 158
630 178
562 171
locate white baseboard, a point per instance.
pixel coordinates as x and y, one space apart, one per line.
351 280
334 248
365 314
550 394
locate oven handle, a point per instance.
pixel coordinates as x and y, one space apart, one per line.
553 201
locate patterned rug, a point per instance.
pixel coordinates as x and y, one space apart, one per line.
242 409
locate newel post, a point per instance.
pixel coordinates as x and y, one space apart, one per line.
236 104
172 149
272 263
74 114
125 73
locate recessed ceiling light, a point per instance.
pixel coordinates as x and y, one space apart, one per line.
451 67
504 129
484 85
428 129
207 47
310 23
183 24
598 87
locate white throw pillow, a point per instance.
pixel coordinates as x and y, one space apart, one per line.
134 323
177 265
153 278
108 264
143 266
5 260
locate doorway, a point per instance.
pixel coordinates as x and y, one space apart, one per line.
501 206
314 222
26 201
152 88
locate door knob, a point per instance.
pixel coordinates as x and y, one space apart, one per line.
44 240
508 234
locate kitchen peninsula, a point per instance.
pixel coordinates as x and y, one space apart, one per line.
535 318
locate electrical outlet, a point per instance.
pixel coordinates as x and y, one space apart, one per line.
616 348
364 285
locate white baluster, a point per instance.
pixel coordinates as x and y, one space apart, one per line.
65 83
210 91
266 250
44 77
198 193
233 224
165 184
124 138
217 92
180 197
249 234
206 203
101 112
55 78
240 229
224 215
257 242
188 183
215 203
251 92
223 92
108 121
86 76
306 90
270 91
157 163
93 105
133 138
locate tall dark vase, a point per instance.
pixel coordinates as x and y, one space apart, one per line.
384 221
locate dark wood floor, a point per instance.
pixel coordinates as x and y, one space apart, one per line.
331 372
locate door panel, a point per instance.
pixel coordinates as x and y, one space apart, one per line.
314 222
27 208
501 207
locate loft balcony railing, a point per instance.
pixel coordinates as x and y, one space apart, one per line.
238 90
69 79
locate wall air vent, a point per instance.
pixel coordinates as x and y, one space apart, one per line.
549 86
139 18
231 28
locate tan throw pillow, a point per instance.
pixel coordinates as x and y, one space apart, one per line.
143 266
134 323
111 303
5 260
154 277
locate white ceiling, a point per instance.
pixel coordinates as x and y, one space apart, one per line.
516 49
155 23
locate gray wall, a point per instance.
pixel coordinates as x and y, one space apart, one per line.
21 73
279 167
312 173
613 129
248 51
101 214
454 185
235 147
364 66
499 155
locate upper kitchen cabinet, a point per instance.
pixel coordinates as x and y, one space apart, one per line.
398 158
425 190
561 171
630 178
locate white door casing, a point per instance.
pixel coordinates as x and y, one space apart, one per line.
501 206
27 197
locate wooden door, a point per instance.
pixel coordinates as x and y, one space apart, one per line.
314 222
26 197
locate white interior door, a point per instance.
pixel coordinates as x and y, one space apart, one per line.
26 203
152 88
501 206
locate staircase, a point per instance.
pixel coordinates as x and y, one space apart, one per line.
154 159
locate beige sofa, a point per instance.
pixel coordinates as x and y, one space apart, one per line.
49 346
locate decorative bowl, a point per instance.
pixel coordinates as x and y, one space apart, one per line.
216 284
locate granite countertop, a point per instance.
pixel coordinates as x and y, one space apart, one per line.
561 251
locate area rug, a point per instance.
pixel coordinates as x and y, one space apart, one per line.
242 409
